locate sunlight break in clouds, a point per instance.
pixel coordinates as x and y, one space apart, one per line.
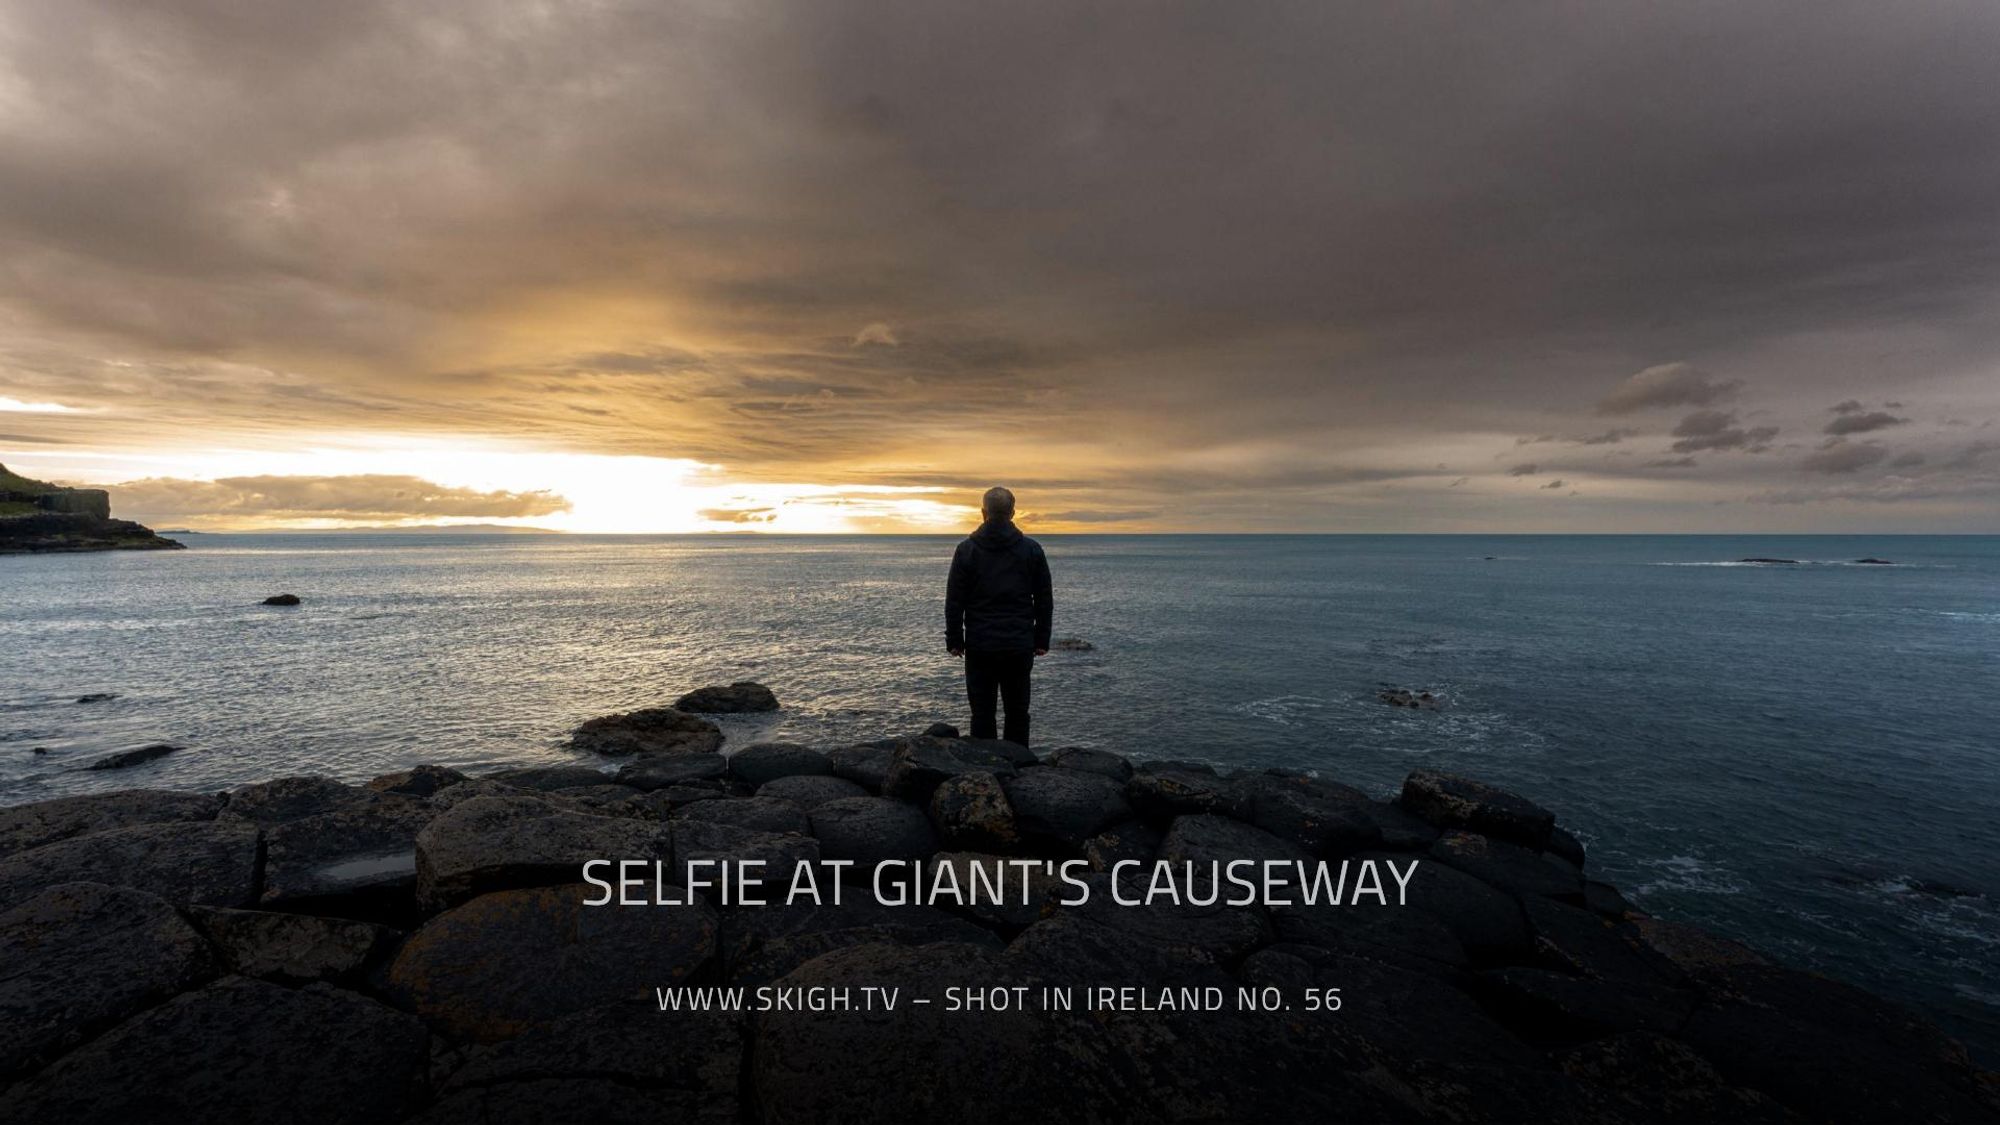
17 406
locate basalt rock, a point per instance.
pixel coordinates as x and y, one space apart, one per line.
282 599
866 765
809 791
79 957
125 759
1160 792
359 860
292 798
1125 840
653 730
1513 869
500 843
728 699
768 761
679 769
513 960
1060 809
421 781
241 1050
211 863
971 811
758 814
919 765
869 830
1449 801
292 948
45 822
1100 762
551 779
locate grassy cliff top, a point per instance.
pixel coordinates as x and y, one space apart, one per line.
14 482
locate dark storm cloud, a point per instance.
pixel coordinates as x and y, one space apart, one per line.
1718 429
358 497
1841 456
1857 423
888 242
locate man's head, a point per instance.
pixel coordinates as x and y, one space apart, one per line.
997 504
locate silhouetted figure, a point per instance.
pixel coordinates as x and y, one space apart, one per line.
998 609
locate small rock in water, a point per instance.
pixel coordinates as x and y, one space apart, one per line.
97 697
1873 562
652 730
1771 562
737 698
1073 644
1404 697
940 730
125 758
40 750
282 599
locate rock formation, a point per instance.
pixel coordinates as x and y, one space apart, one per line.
419 949
37 517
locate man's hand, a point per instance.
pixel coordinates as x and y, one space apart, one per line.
1041 652
956 651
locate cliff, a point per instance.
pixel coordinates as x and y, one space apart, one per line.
421 948
36 517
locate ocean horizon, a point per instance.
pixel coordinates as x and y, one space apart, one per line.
1801 755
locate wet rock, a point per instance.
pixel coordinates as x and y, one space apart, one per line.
1513 869
307 1056
1770 562
551 779
79 957
282 599
865 765
1550 1005
839 1067
1160 792
499 843
970 811
759 814
1060 808
940 730
920 764
1575 940
357 861
1656 1078
1401 830
678 769
291 798
779 853
1017 906
763 944
1101 762
1873 562
653 730
869 830
292 948
419 781
809 791
46 822
1322 818
213 863
1693 950
624 1062
608 799
128 758
97 697
662 804
730 699
1488 922
1564 845
1126 840
1219 931
1013 753
1450 801
1415 700
1201 839
512 960
1605 899
768 761
1829 1051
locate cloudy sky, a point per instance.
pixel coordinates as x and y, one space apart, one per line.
824 266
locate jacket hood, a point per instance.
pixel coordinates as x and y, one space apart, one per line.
995 535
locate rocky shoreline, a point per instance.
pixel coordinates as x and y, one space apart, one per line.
41 518
417 948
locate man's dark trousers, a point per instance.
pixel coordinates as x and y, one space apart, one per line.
1004 673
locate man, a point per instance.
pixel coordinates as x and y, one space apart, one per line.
998 605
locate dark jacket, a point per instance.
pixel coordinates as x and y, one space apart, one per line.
998 598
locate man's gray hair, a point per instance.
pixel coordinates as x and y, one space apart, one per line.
997 504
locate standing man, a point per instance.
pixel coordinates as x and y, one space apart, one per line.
998 609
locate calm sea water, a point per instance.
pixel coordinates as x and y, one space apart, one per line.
1807 757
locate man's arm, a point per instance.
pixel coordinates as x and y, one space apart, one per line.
1045 603
956 586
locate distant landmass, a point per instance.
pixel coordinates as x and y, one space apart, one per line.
38 517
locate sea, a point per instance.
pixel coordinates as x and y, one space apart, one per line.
1802 755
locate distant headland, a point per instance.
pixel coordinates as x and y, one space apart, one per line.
37 517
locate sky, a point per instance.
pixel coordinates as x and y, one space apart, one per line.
810 266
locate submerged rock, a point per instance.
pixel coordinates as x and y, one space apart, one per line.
127 758
1416 700
738 698
653 730
282 599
